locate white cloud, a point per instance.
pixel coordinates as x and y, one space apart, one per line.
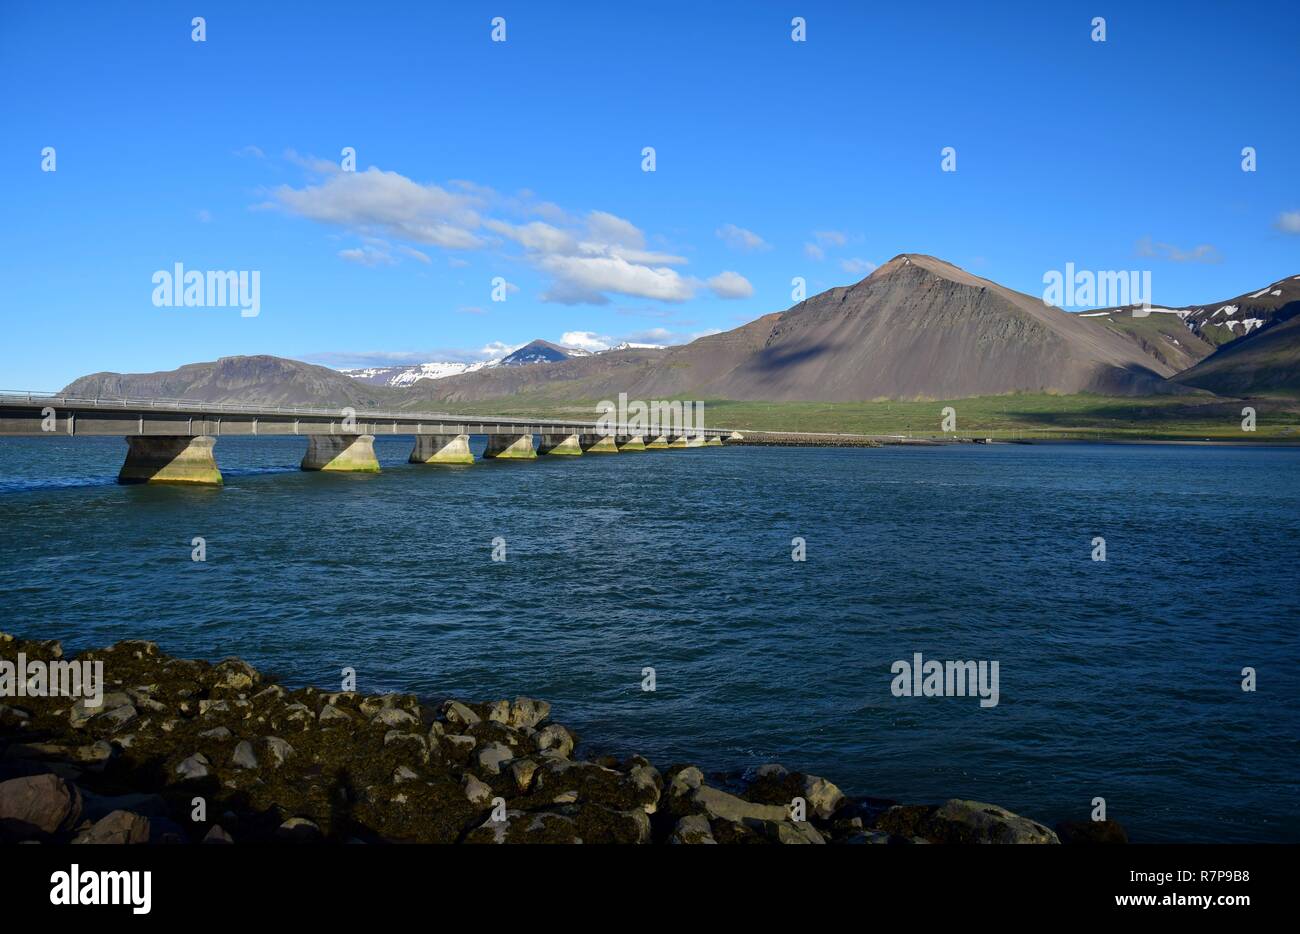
738 238
389 202
204 216
814 252
857 267
1289 222
368 256
731 285
1205 253
585 278
830 237
585 340
495 349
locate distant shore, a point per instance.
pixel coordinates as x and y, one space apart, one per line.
271 765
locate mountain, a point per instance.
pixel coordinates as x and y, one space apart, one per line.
1237 346
540 351
1267 362
406 375
917 327
259 379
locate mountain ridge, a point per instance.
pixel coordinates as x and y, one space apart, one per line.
917 327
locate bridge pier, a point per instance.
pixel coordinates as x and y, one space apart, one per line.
676 441
343 453
713 441
656 442
182 459
598 444
630 443
695 441
510 447
559 444
441 449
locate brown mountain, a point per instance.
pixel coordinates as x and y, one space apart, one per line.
916 327
258 379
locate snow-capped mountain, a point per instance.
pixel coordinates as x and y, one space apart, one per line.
406 375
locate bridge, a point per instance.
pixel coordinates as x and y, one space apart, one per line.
173 440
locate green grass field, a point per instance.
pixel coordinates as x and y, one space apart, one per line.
1018 416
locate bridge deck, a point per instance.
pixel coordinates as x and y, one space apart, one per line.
33 413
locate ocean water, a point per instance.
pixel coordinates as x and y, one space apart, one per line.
1117 679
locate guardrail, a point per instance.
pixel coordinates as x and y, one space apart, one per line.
59 399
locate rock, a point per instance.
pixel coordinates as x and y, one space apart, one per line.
476 791
298 830
82 713
460 715
331 714
491 756
13 716
526 713
556 740
958 821
277 750
823 798
394 718
117 827
196 766
771 770
43 804
646 779
236 674
787 832
216 834
499 712
244 757
522 770
404 773
217 732
1091 832
722 806
692 829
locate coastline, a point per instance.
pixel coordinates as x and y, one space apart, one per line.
271 765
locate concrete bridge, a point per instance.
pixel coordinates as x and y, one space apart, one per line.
173 440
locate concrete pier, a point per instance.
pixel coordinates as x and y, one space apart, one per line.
598 444
630 443
657 443
559 444
676 441
510 447
342 453
441 449
713 442
695 441
179 459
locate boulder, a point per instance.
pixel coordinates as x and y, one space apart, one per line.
39 804
117 827
526 713
692 829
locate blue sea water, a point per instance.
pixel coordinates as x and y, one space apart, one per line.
1118 679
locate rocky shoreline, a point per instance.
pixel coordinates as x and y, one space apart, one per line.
184 751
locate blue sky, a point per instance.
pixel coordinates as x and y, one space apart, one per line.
523 160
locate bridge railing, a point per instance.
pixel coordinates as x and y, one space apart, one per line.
9 396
